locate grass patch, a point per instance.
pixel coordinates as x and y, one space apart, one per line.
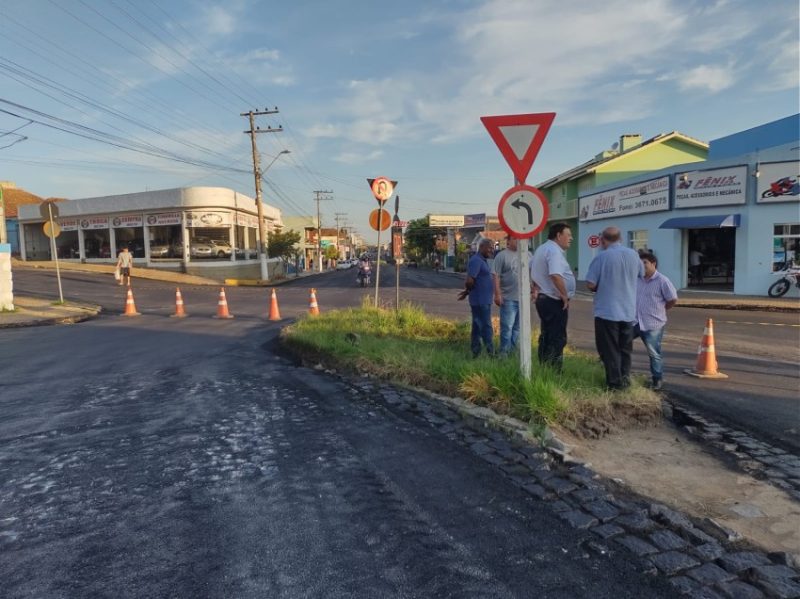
412 347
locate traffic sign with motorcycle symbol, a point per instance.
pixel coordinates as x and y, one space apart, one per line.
523 211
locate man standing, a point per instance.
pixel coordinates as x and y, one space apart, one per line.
654 296
613 275
554 286
506 295
480 288
125 265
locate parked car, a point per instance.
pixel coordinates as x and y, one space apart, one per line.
159 250
210 248
343 265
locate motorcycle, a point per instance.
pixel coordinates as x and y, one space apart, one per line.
788 186
782 285
364 276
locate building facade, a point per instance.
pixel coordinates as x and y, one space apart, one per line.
210 231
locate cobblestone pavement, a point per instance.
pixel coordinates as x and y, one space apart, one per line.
699 558
232 473
757 458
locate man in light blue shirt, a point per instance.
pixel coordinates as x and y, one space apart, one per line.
554 286
613 276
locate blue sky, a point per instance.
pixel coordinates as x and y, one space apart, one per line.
370 88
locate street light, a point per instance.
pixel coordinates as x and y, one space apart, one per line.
262 227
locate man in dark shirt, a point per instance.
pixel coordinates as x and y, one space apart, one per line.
480 288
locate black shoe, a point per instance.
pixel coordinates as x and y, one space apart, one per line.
657 385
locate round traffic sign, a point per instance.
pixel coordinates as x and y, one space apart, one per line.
523 211
55 231
382 189
593 241
385 219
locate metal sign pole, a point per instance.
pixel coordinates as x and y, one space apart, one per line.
378 257
55 252
524 309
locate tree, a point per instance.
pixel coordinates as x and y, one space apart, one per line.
331 253
282 244
420 238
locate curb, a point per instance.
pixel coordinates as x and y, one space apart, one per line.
88 314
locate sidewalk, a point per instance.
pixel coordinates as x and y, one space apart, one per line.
30 311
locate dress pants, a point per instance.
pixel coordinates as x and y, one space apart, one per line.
553 336
614 341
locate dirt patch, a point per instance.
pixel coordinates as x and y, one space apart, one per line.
664 464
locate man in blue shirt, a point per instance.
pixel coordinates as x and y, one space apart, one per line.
613 276
480 288
655 295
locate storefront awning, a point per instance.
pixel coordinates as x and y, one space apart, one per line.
702 222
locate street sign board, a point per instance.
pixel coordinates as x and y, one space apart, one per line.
593 241
519 138
523 211
382 188
383 215
53 231
43 210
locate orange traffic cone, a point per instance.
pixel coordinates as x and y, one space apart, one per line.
130 306
313 308
706 367
179 311
222 305
274 313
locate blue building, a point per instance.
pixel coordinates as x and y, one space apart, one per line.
737 213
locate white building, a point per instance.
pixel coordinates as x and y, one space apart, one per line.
210 231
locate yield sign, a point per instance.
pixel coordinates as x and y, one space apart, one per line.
519 137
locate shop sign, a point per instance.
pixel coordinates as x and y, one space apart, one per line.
94 222
208 219
778 182
475 220
648 196
126 220
68 224
163 218
716 187
445 220
246 220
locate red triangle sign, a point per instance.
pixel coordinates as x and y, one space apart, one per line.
519 137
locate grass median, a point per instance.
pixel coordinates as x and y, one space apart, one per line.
412 347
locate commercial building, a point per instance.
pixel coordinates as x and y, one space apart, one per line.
734 217
629 157
209 231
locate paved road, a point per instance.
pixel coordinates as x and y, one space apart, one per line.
760 351
156 457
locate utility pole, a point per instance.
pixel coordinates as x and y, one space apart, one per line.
262 228
337 216
319 198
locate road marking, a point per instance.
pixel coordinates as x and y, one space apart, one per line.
769 324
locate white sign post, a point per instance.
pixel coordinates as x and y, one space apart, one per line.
523 210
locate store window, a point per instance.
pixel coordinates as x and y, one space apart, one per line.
67 245
210 243
132 238
166 242
637 239
97 243
785 246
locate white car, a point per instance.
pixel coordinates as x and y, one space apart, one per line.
343 265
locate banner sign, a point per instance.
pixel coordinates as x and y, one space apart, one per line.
648 196
68 224
94 222
475 220
164 218
778 182
445 220
246 220
208 219
711 188
126 220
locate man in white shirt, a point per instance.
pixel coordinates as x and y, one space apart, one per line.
554 286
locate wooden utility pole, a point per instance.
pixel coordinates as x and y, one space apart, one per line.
337 216
262 228
319 198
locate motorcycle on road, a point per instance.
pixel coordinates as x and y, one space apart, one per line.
364 276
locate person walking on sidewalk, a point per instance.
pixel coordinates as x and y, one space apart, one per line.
480 288
506 295
125 265
613 276
655 294
554 286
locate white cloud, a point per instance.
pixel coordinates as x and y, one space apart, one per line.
323 130
357 158
219 21
707 78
